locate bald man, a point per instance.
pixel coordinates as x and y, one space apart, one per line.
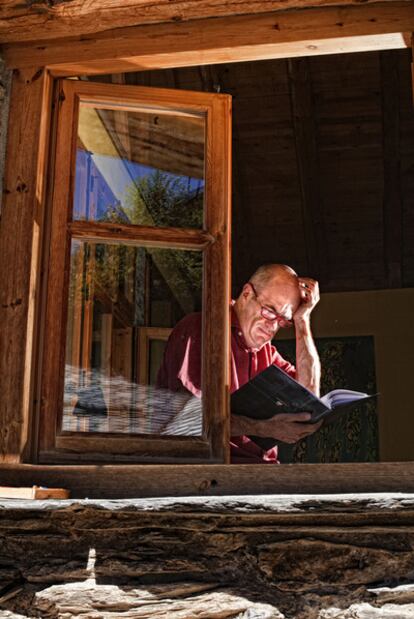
274 298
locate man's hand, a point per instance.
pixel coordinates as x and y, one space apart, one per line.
309 291
289 427
285 427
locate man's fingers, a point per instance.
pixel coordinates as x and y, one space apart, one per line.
292 417
291 427
300 417
309 289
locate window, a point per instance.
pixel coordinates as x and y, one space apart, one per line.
139 238
276 34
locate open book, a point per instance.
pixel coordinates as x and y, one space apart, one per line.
273 391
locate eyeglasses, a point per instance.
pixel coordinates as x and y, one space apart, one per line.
272 315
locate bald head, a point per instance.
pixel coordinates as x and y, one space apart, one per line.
272 286
277 275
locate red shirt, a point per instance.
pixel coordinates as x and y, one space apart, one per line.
181 367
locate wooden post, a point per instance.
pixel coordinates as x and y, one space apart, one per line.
20 248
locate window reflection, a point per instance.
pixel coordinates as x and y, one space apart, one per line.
117 294
147 170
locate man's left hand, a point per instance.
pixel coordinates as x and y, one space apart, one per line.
309 292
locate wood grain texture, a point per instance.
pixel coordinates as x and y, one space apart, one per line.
35 22
216 280
144 236
248 37
131 481
108 447
274 557
57 266
20 247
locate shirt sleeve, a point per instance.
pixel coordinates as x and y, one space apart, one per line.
181 365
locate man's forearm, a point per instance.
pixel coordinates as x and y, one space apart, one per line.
308 367
240 425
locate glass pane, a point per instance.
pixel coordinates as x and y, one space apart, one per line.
123 303
144 167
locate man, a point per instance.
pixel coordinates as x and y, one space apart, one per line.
275 297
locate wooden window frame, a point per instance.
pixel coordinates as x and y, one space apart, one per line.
280 34
146 336
56 445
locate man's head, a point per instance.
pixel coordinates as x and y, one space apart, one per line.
267 302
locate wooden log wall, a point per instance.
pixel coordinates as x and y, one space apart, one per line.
296 557
323 169
42 20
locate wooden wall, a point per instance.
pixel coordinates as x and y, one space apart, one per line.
323 174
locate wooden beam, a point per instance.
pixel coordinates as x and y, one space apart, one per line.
307 157
268 35
392 199
20 21
133 481
20 248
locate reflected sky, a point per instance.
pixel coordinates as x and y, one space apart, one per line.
109 188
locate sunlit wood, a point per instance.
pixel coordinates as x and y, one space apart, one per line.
247 37
25 22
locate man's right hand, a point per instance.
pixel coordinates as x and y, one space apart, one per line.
285 427
288 427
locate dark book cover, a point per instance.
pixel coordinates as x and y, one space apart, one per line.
273 392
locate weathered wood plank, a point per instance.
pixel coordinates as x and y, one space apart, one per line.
42 20
20 247
208 556
189 601
379 508
126 481
268 35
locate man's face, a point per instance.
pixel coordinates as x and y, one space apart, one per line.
281 297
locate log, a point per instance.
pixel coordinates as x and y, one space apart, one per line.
258 36
275 557
20 21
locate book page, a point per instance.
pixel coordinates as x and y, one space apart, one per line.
338 397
